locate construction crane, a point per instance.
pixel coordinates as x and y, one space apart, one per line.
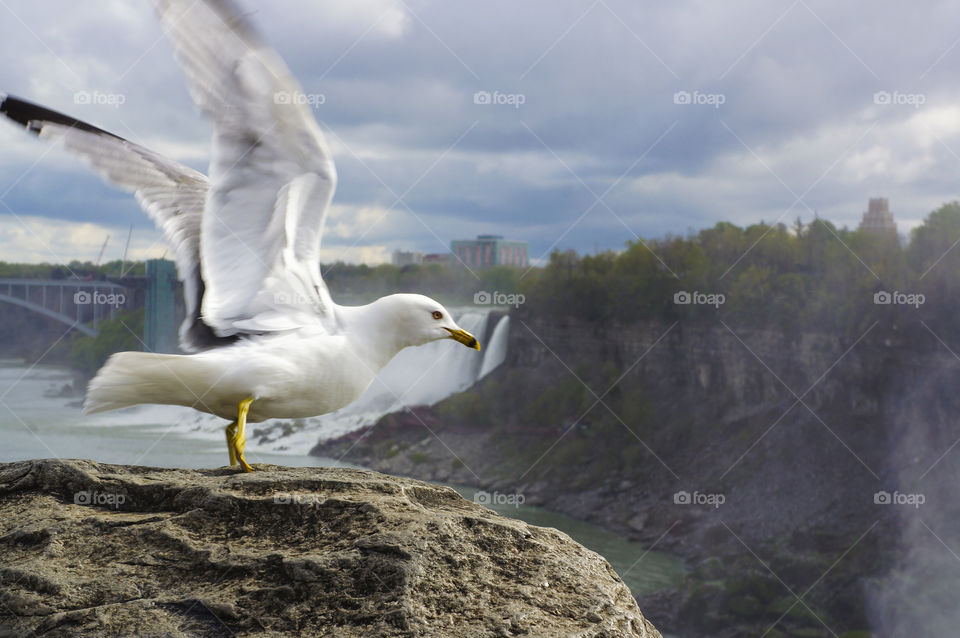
102 248
123 263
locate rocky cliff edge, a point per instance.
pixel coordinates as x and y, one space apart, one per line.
94 549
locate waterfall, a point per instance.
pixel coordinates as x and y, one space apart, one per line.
496 348
425 374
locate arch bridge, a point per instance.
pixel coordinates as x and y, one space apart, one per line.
75 302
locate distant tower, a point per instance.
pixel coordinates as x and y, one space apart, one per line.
878 219
159 318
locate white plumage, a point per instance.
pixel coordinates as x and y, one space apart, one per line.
267 338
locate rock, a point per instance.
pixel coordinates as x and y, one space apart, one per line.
638 522
89 549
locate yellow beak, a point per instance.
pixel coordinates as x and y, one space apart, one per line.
464 337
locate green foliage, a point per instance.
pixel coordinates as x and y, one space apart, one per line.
75 269
87 354
419 457
556 402
466 407
806 277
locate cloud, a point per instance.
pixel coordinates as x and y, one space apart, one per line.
598 84
27 238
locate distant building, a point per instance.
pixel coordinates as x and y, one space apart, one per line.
878 219
436 258
402 258
489 250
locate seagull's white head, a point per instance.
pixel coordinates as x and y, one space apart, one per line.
416 320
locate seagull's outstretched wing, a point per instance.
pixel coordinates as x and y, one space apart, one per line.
171 193
271 174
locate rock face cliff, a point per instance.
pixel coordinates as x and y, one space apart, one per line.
759 456
104 550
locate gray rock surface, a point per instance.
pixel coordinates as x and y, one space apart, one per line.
102 550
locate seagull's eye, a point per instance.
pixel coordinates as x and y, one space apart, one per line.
437 314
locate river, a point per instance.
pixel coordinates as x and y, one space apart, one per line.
34 423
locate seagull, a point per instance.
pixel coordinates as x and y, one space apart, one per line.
263 337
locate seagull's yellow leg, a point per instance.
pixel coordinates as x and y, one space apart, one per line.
240 441
231 433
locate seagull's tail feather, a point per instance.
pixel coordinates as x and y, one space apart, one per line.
132 378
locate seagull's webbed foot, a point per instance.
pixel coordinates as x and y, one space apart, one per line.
236 439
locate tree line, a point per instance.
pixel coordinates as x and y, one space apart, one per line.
812 277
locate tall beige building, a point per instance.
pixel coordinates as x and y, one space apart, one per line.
489 250
878 219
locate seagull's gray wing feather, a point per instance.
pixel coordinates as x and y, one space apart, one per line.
172 194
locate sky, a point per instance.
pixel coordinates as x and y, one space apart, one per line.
569 124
